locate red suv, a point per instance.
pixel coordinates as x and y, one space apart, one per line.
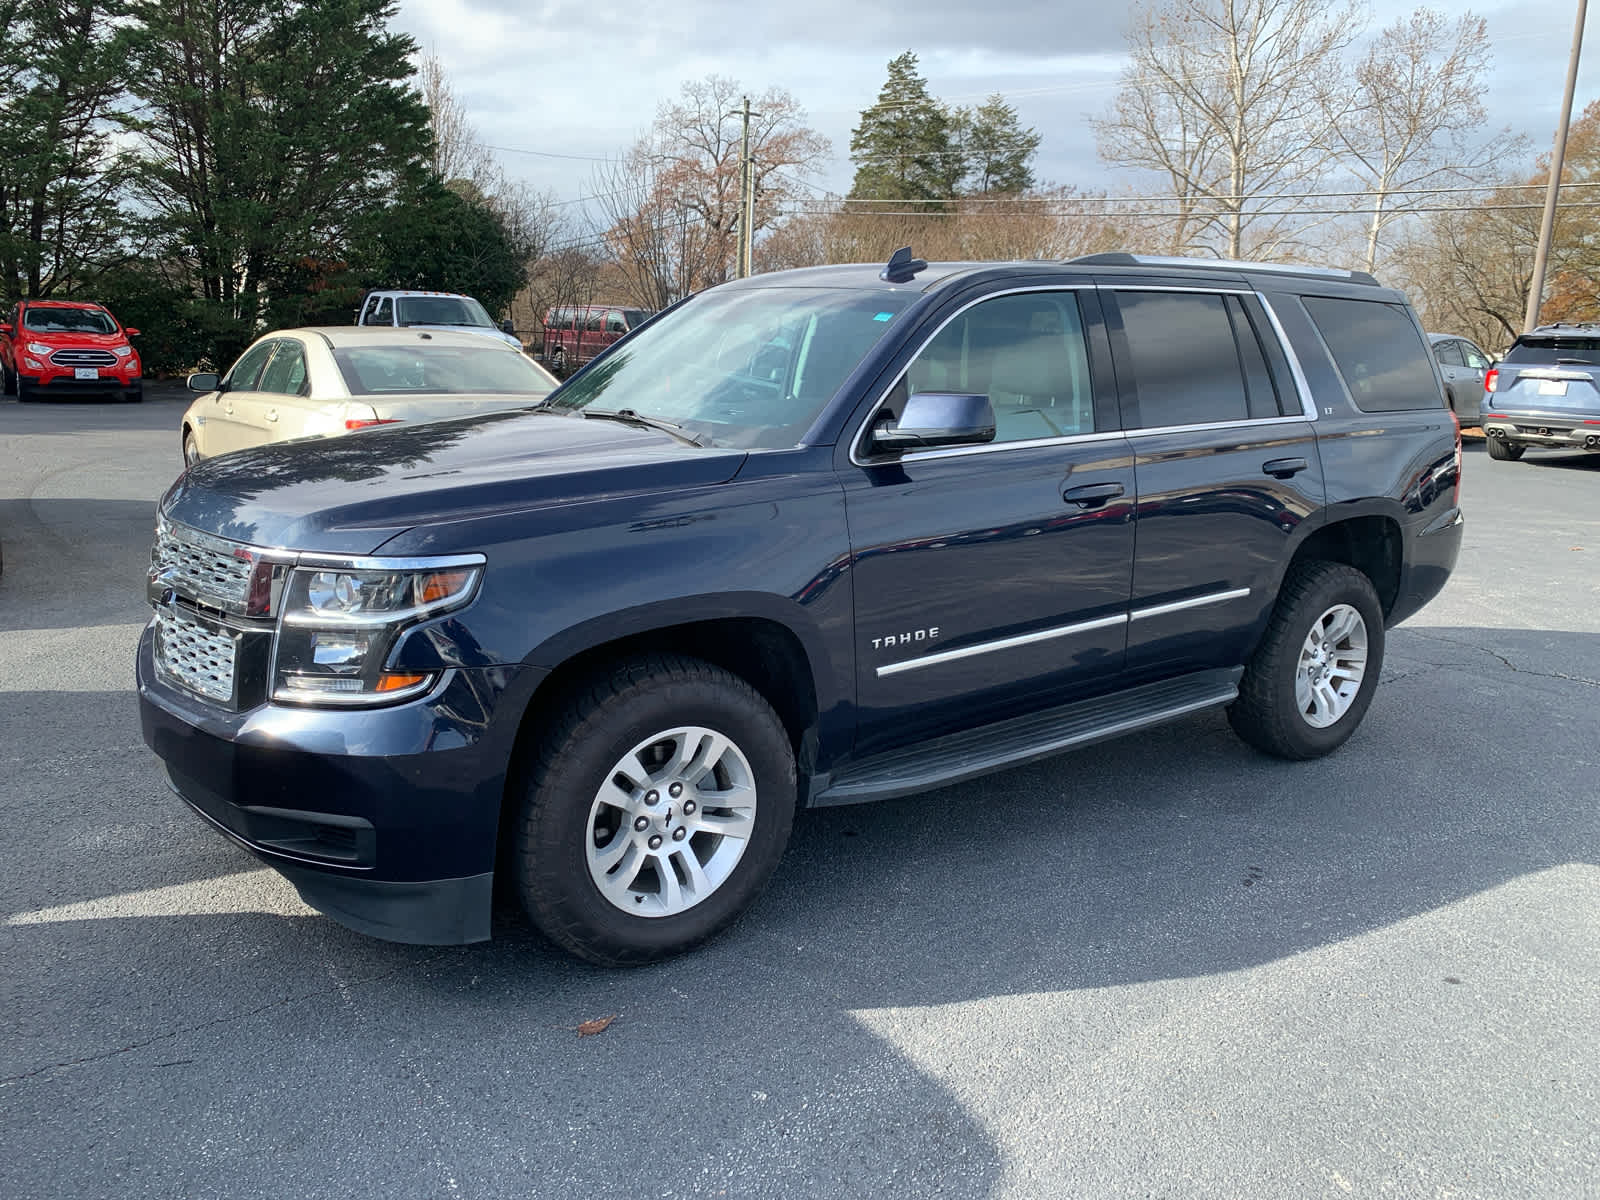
54 348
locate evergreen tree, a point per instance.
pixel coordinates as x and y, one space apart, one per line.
63 68
997 151
444 238
905 147
274 127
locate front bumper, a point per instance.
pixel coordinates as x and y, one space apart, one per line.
1576 432
385 819
49 386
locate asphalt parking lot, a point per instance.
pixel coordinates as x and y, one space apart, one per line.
1163 966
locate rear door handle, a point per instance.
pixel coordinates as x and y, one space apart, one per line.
272 414
1284 468
1092 495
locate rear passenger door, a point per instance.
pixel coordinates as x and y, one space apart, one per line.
1226 465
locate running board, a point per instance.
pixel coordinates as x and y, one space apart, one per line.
973 752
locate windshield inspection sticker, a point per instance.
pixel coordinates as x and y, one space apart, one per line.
884 317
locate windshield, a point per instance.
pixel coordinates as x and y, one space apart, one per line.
748 369
440 310
1547 350
439 370
68 320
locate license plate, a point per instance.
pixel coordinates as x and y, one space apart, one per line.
86 373
1552 387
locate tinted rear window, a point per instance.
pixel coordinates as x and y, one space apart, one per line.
1384 361
1547 350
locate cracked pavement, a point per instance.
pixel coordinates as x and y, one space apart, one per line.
1163 965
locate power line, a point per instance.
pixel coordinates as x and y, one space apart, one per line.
1201 214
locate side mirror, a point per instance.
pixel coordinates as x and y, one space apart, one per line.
508 327
7 327
204 381
131 332
933 419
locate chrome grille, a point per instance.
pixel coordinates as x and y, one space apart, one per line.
208 569
195 656
84 358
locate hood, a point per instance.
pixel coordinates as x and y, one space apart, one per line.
351 494
58 337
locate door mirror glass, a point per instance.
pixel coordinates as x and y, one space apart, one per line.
933 419
204 381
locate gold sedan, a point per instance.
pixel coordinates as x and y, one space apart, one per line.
323 382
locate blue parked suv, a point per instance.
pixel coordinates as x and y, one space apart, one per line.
817 537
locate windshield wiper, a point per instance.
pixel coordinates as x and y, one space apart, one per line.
628 417
1573 362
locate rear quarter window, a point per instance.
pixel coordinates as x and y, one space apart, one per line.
1385 364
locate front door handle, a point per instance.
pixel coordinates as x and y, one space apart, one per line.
1092 495
272 414
228 408
1284 468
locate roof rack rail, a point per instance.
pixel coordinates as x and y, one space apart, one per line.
1119 259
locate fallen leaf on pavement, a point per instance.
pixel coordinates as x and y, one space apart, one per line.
598 1025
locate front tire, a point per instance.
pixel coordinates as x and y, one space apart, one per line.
191 451
1312 678
26 392
1503 451
657 807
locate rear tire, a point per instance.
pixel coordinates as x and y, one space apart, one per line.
1503 451
1311 679
658 804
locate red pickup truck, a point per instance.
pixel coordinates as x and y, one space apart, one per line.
55 348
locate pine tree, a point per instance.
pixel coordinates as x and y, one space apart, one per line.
63 67
273 127
997 151
905 147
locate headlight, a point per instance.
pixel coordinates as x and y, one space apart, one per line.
39 348
338 625
122 351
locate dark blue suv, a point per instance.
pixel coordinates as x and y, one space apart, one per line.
818 537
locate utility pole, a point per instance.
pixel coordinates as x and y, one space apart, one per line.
747 196
1558 156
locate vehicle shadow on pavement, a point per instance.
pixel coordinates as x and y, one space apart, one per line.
1171 855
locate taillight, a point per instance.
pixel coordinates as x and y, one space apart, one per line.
349 425
1492 378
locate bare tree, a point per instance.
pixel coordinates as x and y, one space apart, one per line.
692 153
1230 101
1417 104
458 152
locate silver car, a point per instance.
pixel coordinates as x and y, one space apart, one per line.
323 382
1463 366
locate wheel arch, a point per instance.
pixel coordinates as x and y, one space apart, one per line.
766 653
1371 542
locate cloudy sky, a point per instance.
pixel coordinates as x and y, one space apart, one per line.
582 80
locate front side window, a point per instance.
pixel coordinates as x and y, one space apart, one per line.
383 314
1380 355
1026 352
749 368
44 319
286 373
245 372
1476 358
